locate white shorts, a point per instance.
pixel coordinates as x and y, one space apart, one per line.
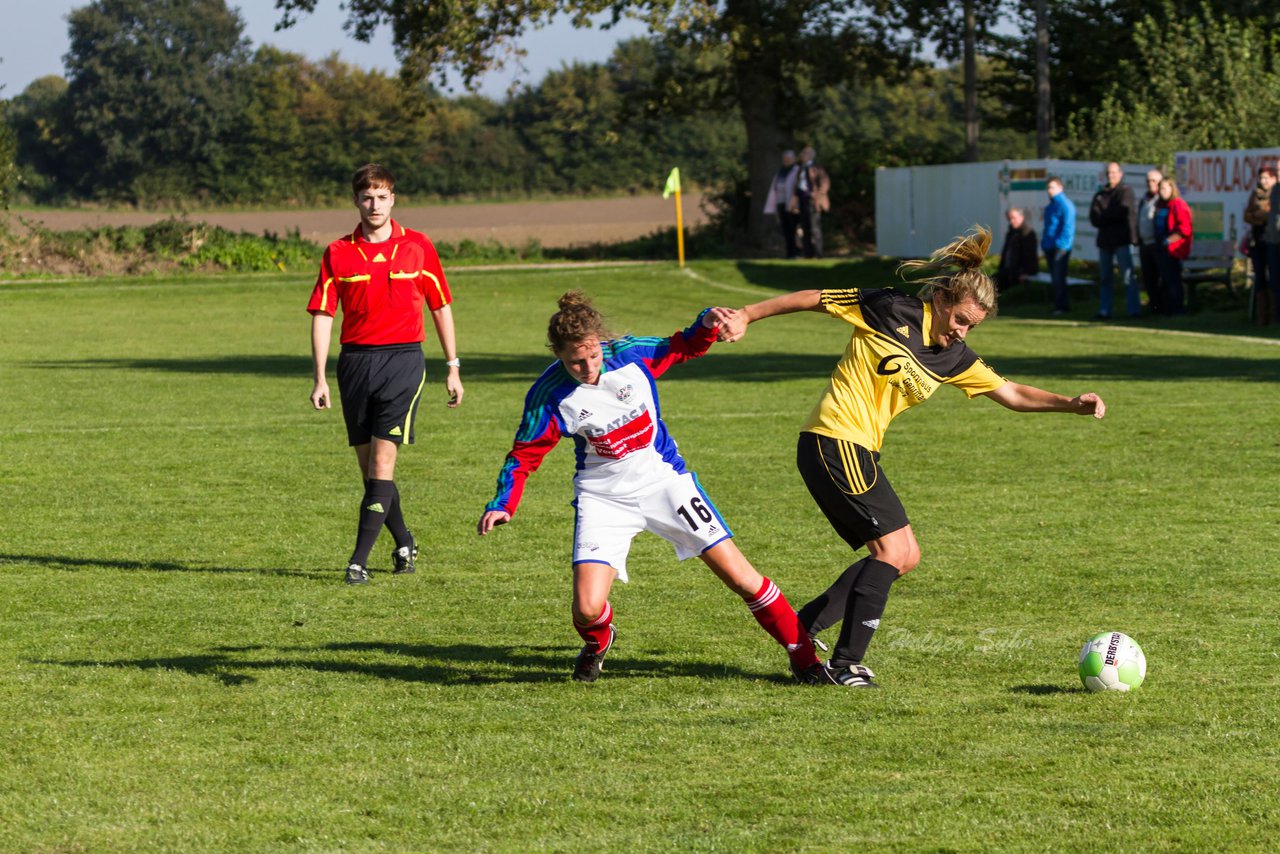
678 511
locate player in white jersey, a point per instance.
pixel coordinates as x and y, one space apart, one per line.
629 476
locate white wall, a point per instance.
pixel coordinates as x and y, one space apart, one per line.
919 208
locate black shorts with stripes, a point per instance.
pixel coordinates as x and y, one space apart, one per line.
850 487
380 389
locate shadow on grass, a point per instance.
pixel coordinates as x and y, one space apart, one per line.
741 364
1138 367
263 365
798 275
519 367
450 664
77 564
1041 690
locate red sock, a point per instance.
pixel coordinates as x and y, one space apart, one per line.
775 616
596 633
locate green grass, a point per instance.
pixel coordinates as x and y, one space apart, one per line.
182 669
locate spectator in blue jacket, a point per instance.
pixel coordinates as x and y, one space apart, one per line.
1059 235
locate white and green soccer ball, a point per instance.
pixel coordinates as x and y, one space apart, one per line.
1111 661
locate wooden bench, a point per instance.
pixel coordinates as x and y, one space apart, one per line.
1210 261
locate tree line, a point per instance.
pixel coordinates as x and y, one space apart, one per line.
165 101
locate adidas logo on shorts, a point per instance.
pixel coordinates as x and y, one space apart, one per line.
871 624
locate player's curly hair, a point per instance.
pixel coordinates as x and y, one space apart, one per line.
576 321
966 252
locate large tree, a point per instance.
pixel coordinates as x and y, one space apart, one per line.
777 54
151 93
1218 89
958 31
1088 45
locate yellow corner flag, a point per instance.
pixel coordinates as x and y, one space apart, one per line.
673 183
673 186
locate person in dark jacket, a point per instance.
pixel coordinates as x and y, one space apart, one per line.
1115 215
1271 237
1019 258
1256 214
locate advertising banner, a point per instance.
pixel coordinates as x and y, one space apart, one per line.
1217 184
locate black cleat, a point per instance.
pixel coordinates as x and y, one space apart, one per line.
405 559
589 664
854 676
357 574
818 674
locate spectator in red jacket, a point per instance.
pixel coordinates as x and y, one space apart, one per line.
1173 243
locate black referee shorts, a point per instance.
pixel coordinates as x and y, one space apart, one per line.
850 487
380 389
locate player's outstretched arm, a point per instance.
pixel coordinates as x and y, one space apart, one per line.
492 519
734 326
321 332
443 319
1026 398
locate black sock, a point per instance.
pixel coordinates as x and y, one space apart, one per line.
828 608
395 520
870 595
373 513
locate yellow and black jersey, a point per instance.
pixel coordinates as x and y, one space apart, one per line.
889 365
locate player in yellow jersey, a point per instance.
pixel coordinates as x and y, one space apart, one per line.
902 349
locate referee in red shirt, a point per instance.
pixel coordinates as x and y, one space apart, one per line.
382 274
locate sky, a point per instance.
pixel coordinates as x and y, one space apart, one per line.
35 48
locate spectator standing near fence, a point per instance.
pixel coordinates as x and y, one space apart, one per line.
1147 243
1256 214
811 200
1059 235
1173 230
1115 216
1271 236
1018 261
778 202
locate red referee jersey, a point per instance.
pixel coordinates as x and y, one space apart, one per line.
382 287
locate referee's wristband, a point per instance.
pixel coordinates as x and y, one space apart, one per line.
454 363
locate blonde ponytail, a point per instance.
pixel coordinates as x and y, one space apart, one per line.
965 253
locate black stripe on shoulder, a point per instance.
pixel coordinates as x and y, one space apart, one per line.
842 296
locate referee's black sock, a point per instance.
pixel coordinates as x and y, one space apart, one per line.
373 513
866 606
395 520
828 608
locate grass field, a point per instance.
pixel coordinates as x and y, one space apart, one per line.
182 669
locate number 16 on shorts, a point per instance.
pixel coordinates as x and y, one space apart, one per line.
679 511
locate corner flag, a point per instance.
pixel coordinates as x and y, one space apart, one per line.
673 186
673 183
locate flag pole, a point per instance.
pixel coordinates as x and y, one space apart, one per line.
673 186
679 228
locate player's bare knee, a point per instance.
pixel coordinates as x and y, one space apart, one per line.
585 614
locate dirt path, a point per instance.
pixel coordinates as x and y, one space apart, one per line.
553 223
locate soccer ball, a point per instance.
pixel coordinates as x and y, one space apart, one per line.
1112 661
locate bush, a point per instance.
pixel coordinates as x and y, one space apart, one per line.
167 244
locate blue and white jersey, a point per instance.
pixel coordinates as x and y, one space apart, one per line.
621 445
